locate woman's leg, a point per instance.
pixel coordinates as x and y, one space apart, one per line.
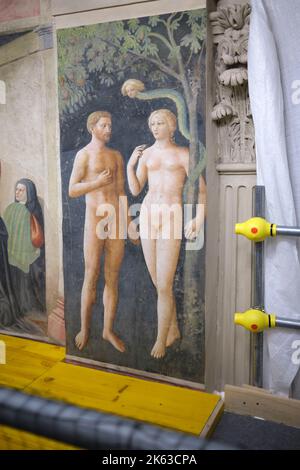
174 332
149 250
148 241
167 254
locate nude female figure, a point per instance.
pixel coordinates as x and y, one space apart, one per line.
165 166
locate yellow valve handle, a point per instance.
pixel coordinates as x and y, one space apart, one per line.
256 229
255 320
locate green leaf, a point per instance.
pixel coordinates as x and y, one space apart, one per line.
129 43
151 49
142 32
190 41
109 81
153 21
175 24
133 24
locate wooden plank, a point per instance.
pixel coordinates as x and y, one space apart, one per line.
27 360
36 368
13 439
213 420
74 6
160 404
50 351
247 401
116 13
256 389
134 372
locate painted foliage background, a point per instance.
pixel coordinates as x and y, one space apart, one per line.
164 52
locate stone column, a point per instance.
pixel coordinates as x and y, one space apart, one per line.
233 156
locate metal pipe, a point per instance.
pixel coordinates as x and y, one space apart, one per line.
287 323
288 231
259 291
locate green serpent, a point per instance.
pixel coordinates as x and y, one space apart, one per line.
136 89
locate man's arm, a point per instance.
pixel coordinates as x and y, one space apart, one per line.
76 186
120 175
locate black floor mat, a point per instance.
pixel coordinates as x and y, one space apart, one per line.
245 432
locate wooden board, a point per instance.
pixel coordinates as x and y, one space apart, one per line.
133 372
213 420
255 402
125 11
37 368
13 439
26 360
165 405
75 6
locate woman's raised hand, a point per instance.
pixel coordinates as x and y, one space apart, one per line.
136 154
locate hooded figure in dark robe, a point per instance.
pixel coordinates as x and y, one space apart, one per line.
26 250
9 308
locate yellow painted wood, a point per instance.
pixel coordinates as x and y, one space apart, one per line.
165 405
37 368
50 351
213 420
13 439
26 360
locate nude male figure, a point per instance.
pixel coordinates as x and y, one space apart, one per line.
98 173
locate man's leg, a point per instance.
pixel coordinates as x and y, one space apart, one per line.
93 248
114 253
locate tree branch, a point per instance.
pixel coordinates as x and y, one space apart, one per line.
179 58
180 16
159 64
162 39
198 63
189 59
171 17
128 65
156 62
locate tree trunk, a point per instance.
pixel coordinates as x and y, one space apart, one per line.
191 193
193 334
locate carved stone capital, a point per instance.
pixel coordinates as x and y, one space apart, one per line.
230 28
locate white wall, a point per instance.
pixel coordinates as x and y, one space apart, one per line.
29 141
